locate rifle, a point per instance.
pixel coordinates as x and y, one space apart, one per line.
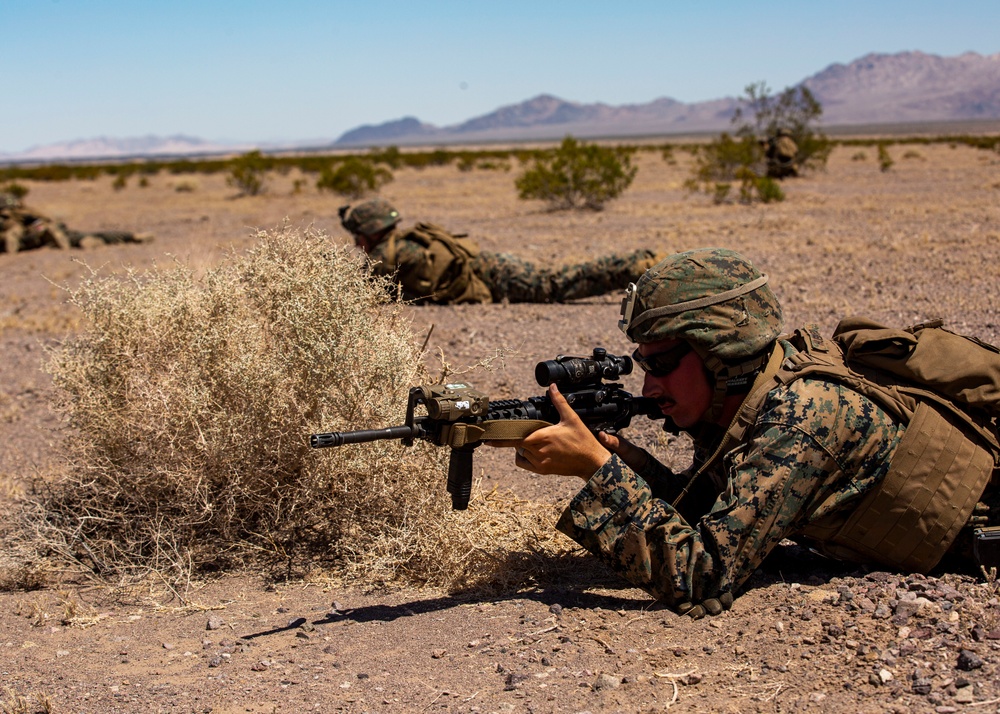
460 417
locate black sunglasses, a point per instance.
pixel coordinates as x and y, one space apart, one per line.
662 363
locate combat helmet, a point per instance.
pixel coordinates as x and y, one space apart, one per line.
9 200
716 301
370 217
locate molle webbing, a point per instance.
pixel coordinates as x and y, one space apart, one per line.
445 273
935 478
940 469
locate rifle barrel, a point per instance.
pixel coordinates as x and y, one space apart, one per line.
339 438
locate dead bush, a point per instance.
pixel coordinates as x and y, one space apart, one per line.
189 400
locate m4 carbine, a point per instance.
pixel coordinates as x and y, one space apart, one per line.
460 417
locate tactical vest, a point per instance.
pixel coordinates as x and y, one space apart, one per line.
946 389
444 273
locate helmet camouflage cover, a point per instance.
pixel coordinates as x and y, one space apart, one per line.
9 200
369 217
712 298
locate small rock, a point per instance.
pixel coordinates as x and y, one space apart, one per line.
513 681
607 681
922 686
555 608
692 679
215 661
215 622
885 675
438 654
882 612
168 646
968 661
965 695
337 607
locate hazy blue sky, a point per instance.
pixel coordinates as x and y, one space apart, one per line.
305 69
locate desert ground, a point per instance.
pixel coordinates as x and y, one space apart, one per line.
919 241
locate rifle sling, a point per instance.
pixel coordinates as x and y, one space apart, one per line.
459 434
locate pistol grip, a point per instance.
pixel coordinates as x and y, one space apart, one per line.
460 477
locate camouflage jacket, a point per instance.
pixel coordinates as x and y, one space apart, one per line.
430 265
816 447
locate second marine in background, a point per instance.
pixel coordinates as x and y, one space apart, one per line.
432 265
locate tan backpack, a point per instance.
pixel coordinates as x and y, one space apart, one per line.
946 388
445 273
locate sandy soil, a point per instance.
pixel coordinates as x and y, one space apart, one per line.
920 241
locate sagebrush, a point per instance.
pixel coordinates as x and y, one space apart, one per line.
190 399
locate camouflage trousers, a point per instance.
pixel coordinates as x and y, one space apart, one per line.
16 238
81 239
516 280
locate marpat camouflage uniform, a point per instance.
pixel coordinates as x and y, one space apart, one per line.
816 447
516 280
22 228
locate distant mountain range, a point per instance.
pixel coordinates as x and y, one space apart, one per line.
907 87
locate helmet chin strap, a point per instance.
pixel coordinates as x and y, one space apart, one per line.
732 379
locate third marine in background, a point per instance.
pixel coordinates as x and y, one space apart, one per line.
781 153
24 228
432 265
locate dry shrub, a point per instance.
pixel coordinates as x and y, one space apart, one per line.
189 402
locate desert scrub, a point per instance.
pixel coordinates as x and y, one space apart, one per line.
188 403
577 175
885 161
354 177
246 173
726 160
190 399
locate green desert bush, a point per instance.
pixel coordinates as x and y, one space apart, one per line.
728 160
390 156
885 161
796 110
354 177
246 173
17 190
577 175
190 399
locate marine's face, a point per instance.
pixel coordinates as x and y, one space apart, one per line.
684 393
365 243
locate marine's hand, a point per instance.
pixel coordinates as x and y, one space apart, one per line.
568 448
634 457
